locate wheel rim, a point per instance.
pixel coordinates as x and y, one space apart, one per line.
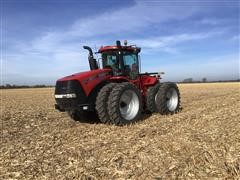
129 105
155 97
172 99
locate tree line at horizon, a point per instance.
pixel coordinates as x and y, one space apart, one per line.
204 80
13 86
187 80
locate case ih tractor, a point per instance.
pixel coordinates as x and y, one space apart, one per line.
117 92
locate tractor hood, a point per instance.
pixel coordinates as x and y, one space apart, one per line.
89 79
84 75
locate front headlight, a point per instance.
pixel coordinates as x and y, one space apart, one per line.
72 95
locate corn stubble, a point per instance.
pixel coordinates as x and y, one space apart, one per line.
202 141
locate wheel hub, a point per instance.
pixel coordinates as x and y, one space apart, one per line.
129 104
172 99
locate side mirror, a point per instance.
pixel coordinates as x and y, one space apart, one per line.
138 50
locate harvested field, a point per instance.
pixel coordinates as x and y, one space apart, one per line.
202 141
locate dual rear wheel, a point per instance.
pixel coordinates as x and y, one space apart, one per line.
121 103
163 98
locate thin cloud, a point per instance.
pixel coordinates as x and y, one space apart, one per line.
64 48
236 38
59 52
220 67
127 20
166 43
130 19
207 21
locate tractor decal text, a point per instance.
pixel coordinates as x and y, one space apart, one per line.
99 76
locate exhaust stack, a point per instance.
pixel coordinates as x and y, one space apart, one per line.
92 62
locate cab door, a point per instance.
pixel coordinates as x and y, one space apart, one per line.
131 67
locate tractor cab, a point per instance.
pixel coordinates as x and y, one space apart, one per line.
122 60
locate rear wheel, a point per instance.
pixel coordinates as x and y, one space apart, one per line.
168 99
151 98
101 103
124 104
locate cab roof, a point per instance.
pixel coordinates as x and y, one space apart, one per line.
126 48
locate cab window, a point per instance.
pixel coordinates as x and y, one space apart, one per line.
130 62
111 60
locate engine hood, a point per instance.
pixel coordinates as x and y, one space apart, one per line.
84 75
89 79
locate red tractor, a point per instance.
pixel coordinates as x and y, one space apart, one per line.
117 92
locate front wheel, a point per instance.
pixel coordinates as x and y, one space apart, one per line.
124 104
168 99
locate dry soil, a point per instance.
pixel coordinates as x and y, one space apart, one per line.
202 141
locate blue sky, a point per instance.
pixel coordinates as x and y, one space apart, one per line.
42 39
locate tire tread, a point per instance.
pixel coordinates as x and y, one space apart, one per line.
161 99
113 103
150 99
101 103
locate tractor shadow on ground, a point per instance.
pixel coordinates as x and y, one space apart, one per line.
89 118
144 116
147 114
92 118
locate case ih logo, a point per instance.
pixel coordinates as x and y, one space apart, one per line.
99 76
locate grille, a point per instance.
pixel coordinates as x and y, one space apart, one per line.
68 87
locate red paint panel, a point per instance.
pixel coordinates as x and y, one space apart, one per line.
89 79
109 48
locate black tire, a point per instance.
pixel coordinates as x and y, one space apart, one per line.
150 99
116 104
101 103
168 99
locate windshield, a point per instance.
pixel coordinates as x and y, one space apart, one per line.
129 66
